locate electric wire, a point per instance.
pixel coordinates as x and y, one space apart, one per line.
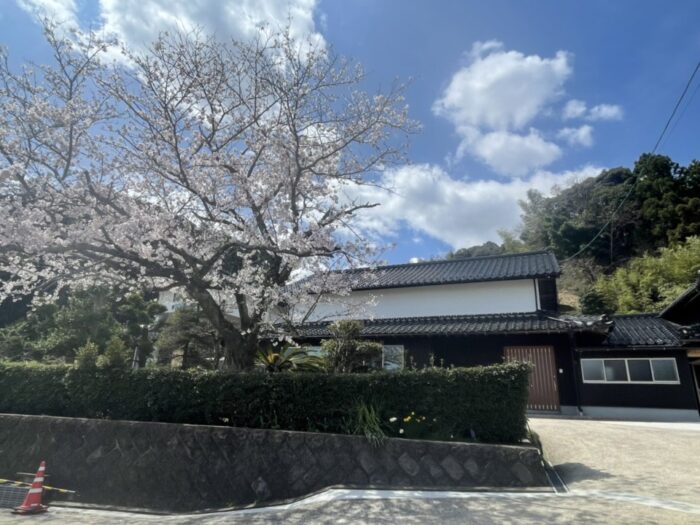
656 146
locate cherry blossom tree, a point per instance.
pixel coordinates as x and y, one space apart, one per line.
217 168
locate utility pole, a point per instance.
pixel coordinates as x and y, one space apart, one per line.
612 240
136 359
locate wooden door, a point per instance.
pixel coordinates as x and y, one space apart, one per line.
544 391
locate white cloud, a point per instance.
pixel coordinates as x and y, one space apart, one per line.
578 109
62 11
574 109
138 22
494 96
513 154
458 212
499 100
605 112
501 89
581 136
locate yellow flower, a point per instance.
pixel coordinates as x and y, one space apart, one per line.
407 419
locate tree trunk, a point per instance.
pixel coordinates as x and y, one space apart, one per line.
185 364
239 351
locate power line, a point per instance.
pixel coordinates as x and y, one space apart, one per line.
629 192
684 107
673 113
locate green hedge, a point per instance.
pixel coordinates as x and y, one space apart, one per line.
483 403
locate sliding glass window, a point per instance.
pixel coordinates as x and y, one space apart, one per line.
662 370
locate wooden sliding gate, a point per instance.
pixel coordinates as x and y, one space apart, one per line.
544 391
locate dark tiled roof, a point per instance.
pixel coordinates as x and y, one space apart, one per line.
474 269
448 325
642 330
635 330
690 333
686 296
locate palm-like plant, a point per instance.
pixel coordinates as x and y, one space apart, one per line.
288 358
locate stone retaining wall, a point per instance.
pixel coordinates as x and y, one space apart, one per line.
172 467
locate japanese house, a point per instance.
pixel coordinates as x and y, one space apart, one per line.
485 310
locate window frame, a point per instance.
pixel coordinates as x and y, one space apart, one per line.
583 376
318 352
653 381
403 358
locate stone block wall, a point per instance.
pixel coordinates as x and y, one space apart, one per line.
171 467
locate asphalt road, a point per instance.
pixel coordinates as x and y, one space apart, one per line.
616 473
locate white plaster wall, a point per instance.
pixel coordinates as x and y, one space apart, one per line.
448 299
174 299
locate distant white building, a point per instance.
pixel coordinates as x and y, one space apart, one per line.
174 299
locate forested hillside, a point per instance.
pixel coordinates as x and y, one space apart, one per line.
627 265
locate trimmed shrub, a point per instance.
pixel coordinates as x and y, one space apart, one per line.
86 356
481 403
116 354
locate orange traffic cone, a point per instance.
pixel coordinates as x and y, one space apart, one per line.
32 501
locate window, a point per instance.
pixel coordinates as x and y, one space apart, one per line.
664 370
632 370
592 370
615 370
315 351
392 357
640 370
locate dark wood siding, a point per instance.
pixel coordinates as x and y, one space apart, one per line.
485 350
488 349
547 289
681 396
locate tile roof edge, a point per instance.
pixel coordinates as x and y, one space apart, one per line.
447 261
428 318
653 315
692 290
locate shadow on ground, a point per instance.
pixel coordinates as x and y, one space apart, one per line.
573 472
482 511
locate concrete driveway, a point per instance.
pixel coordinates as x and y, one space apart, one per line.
622 473
658 461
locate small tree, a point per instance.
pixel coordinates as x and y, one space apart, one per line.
345 352
187 339
288 358
116 355
87 355
135 314
13 345
594 302
56 330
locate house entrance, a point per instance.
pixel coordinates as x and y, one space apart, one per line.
544 391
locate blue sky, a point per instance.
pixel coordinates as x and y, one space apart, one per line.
511 95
